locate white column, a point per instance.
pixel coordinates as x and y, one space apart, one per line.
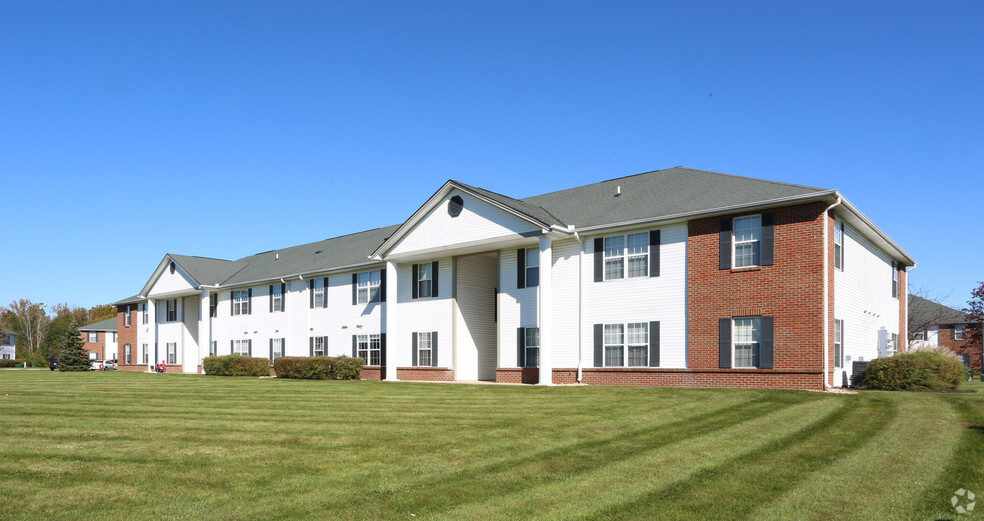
204 327
546 311
394 355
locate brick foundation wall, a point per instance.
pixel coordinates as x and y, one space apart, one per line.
791 291
425 374
372 372
731 378
517 375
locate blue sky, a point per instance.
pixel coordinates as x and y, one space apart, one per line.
132 129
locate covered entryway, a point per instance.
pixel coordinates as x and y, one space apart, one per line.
475 282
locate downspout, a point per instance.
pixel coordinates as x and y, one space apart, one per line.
826 294
580 307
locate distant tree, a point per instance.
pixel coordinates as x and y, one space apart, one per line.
101 312
73 356
975 310
30 321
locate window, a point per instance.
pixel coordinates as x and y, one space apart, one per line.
114 336
747 241
172 310
614 248
240 302
423 281
143 310
93 337
144 354
213 349
423 349
959 331
126 316
614 345
241 347
839 246
630 350
368 287
838 343
532 267
368 349
319 345
919 335
630 250
92 356
276 348
747 341
127 358
213 304
319 293
172 353
532 347
893 345
276 298
895 280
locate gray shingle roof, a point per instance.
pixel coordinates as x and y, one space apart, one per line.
205 270
923 312
129 300
106 325
662 193
532 211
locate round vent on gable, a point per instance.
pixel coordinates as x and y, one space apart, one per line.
455 205
172 266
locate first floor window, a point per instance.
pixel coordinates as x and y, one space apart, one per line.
368 283
172 310
126 354
627 344
368 349
93 337
172 352
959 331
92 356
614 345
838 343
424 349
919 335
6 356
894 343
240 347
276 348
747 341
532 347
144 354
319 345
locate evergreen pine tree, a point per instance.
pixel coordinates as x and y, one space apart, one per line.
74 357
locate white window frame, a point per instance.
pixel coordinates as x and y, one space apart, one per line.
838 343
143 313
532 346
919 335
213 304
424 349
895 280
320 293
240 301
424 280
839 245
240 347
959 332
368 348
320 346
624 337
171 310
625 255
92 337
278 298
532 267
126 316
92 355
145 354
172 353
368 289
754 344
278 348
754 241
127 354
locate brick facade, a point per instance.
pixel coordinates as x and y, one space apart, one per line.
425 374
372 372
99 346
966 346
517 375
128 335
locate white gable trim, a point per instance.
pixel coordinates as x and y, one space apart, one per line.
155 277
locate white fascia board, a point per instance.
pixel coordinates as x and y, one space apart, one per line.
431 203
871 231
145 292
300 276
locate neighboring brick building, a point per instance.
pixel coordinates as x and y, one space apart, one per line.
100 339
675 277
128 319
931 324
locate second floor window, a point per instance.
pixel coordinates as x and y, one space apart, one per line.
240 302
126 316
424 278
171 310
213 304
368 287
627 255
959 332
748 236
839 246
93 336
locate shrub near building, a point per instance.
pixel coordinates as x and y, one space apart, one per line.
319 367
236 365
915 371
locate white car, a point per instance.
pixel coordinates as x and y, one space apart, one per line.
97 365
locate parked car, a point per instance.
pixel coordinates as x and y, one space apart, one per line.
54 363
97 365
110 365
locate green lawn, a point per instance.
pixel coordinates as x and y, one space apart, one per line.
172 447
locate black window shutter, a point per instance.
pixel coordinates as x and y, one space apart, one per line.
355 288
355 346
599 345
311 293
725 251
249 347
768 239
724 343
271 349
654 253
249 301
382 285
434 349
232 303
767 345
599 262
521 347
654 344
382 354
324 284
283 297
413 344
521 268
434 279
271 298
414 277
311 345
232 347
